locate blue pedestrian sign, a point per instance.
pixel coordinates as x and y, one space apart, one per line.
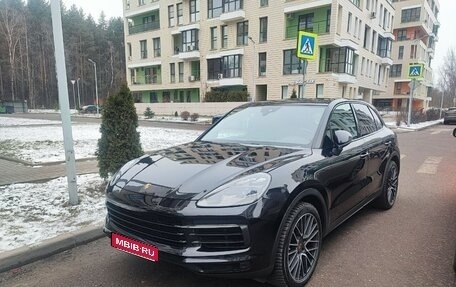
415 71
307 46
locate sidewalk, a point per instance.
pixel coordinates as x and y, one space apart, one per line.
14 172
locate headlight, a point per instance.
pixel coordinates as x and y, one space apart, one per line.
123 169
238 192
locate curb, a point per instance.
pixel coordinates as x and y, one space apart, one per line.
28 254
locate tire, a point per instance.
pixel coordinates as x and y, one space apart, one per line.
299 247
454 132
388 196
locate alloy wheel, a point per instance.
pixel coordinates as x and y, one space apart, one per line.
303 247
392 184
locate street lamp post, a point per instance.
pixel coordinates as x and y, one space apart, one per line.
253 70
79 95
96 84
74 94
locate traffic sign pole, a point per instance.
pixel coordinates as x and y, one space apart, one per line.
304 71
412 90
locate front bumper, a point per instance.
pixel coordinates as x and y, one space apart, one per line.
223 241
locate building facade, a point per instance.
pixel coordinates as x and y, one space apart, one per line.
178 50
415 29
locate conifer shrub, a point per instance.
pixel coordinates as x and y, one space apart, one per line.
120 141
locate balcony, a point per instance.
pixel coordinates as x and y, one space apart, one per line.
144 27
387 61
299 6
292 29
345 78
189 52
232 16
143 9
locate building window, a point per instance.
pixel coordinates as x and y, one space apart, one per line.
143 45
232 66
306 22
214 69
384 47
263 30
141 2
242 33
232 5
224 36
291 63
262 64
194 10
411 15
127 4
319 91
413 49
190 40
157 47
214 8
366 37
349 22
396 71
285 92
356 2
171 19
328 20
180 14
339 60
181 72
401 52
401 35
264 3
172 72
129 50
147 76
213 38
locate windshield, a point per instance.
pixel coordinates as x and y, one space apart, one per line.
275 125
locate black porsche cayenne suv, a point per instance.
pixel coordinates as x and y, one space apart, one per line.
255 194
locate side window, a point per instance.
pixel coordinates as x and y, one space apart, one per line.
377 120
366 122
342 118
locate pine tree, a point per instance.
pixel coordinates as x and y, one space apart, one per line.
119 141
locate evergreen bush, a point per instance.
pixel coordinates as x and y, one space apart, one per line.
149 114
226 96
119 142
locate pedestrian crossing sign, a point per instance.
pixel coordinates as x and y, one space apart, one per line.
415 71
307 45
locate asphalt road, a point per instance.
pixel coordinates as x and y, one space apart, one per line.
412 244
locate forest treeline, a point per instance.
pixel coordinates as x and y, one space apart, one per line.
27 63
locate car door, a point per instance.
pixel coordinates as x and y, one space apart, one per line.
343 175
377 143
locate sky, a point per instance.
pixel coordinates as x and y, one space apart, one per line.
447 19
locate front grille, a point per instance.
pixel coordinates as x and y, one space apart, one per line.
173 231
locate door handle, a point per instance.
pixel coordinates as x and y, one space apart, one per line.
387 143
365 154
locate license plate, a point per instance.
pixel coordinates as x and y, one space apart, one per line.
134 247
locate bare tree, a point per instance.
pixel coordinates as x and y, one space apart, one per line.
11 30
447 82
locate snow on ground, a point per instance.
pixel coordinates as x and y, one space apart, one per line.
6 121
33 212
40 144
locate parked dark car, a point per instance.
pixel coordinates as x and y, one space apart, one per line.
449 117
90 109
256 193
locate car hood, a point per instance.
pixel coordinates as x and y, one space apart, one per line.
189 171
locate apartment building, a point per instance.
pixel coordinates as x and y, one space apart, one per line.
415 29
177 50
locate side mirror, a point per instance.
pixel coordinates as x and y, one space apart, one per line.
341 139
216 118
